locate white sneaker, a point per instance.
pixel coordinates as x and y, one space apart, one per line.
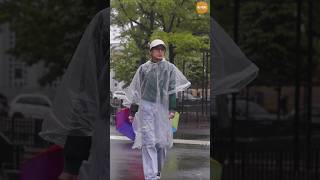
158 175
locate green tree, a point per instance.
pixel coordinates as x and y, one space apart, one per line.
267 35
176 22
46 31
125 63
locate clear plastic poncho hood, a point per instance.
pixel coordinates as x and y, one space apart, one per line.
150 89
232 70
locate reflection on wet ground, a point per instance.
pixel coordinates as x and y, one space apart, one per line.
187 162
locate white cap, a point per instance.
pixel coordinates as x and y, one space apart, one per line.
157 42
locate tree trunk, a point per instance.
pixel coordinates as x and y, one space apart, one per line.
171 53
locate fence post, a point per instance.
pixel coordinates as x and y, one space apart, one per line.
297 88
309 82
13 130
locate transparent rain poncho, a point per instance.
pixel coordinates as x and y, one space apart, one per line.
82 93
232 70
150 89
81 103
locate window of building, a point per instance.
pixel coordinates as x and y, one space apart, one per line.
18 73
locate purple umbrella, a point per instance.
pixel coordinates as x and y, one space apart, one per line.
46 165
123 125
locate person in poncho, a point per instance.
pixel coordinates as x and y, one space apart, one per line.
78 120
152 95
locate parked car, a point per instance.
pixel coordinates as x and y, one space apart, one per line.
257 115
255 112
35 106
257 123
303 115
119 95
288 121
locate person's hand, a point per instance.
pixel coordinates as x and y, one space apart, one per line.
131 118
171 115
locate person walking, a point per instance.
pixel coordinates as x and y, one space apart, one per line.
152 95
77 120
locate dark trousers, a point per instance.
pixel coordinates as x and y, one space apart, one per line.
76 149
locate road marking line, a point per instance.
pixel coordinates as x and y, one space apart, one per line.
176 141
123 138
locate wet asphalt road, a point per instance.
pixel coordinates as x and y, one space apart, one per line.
185 162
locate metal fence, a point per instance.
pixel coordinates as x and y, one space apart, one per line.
191 111
20 142
194 111
265 165
292 151
22 131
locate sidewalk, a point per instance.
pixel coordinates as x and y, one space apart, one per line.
186 132
183 162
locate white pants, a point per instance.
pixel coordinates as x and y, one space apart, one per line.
153 156
153 160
